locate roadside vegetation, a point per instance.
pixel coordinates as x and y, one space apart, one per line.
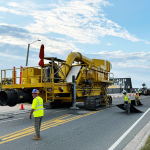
144 85
147 144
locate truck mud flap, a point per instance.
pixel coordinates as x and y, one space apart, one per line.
132 108
133 103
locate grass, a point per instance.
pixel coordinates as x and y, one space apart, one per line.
147 144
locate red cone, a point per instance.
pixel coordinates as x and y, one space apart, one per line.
22 106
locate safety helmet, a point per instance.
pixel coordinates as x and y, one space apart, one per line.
124 91
136 92
35 91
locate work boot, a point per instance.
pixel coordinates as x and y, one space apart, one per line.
35 135
36 138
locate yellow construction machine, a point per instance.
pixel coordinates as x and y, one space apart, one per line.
54 80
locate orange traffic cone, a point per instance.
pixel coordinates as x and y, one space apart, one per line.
22 106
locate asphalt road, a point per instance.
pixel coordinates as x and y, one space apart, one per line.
65 129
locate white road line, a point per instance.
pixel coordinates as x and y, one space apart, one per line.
125 134
60 111
11 120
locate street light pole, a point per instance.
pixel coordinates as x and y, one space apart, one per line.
27 55
28 51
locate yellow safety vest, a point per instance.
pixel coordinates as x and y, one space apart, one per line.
37 105
126 98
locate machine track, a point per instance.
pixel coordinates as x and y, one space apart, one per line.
97 102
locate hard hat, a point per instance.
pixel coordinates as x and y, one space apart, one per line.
136 92
124 91
35 91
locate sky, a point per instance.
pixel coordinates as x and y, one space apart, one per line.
113 30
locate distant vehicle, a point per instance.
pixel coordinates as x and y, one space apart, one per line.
141 91
147 92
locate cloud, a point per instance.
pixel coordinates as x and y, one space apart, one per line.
83 21
134 65
13 4
8 56
109 44
20 37
120 59
5 29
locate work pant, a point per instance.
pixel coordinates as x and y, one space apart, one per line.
127 107
136 101
125 104
37 125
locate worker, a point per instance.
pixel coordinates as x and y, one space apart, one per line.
127 101
136 99
38 112
140 92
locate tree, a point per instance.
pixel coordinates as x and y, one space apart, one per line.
144 85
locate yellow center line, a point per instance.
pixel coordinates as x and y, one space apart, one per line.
45 125
30 128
